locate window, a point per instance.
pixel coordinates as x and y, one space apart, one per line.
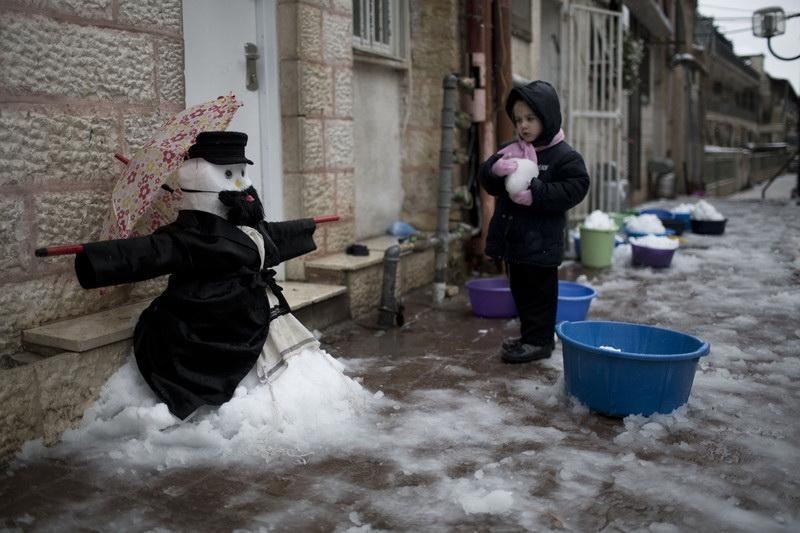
521 19
379 27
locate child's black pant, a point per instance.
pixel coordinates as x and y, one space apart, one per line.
535 291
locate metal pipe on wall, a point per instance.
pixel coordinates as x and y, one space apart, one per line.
450 85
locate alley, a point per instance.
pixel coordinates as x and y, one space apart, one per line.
449 438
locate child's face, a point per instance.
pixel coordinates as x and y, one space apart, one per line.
526 122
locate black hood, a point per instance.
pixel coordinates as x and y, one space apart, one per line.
543 100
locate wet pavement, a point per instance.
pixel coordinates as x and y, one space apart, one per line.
467 443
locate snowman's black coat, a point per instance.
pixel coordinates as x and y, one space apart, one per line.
203 334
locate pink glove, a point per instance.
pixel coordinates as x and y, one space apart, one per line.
504 167
523 197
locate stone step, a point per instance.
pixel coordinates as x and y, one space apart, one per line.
316 305
363 275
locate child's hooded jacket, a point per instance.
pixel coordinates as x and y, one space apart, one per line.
535 234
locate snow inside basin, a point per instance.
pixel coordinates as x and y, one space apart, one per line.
621 369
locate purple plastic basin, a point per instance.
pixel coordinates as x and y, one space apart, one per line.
491 298
652 257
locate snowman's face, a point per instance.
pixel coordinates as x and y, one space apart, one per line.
200 175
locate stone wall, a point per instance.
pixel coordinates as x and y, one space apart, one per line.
436 51
316 69
80 80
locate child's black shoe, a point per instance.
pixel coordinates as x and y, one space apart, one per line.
511 343
525 353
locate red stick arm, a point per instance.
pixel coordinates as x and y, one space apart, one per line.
122 158
64 249
326 218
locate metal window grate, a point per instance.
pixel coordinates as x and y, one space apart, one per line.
595 104
374 23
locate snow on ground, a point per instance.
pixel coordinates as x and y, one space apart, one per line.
506 448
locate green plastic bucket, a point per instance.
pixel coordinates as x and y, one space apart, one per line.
619 218
597 247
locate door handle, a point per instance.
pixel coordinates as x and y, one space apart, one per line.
251 72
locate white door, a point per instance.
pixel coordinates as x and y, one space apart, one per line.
215 34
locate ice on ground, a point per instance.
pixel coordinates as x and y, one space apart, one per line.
495 502
476 445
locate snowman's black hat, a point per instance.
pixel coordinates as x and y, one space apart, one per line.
220 147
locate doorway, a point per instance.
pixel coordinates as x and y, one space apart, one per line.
215 34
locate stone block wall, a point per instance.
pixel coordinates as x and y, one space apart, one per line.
436 51
316 69
79 81
42 399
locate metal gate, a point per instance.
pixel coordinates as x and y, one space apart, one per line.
595 100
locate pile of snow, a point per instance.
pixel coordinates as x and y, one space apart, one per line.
310 405
655 241
599 220
705 211
682 209
647 223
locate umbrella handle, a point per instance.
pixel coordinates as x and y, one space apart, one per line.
64 249
326 218
122 158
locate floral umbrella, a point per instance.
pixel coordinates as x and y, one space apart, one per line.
139 203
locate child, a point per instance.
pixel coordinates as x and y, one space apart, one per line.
527 229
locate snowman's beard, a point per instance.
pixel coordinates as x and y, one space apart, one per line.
240 211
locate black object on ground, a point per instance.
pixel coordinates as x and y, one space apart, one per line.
708 227
357 249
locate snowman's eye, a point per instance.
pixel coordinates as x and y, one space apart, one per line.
228 174
242 172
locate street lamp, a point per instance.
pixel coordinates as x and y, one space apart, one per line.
769 22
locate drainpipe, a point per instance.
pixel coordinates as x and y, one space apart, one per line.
445 188
391 310
503 80
478 31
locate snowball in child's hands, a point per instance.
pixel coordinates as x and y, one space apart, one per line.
520 179
523 197
504 166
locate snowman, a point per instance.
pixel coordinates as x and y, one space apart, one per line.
223 316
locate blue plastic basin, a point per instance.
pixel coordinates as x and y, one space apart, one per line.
686 218
491 298
653 372
663 214
574 300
